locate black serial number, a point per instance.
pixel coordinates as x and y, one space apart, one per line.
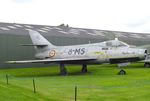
79 51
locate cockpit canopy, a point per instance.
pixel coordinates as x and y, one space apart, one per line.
114 43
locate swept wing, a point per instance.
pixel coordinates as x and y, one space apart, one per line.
69 60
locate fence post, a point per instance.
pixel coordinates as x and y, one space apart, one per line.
34 88
75 93
7 79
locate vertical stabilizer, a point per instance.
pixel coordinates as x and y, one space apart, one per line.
39 42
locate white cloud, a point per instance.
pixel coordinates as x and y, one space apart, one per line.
123 15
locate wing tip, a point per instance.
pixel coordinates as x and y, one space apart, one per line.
10 62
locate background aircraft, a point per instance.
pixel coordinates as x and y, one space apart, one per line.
112 51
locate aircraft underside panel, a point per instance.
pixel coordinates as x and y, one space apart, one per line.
123 60
81 62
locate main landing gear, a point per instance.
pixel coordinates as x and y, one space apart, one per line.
84 68
63 70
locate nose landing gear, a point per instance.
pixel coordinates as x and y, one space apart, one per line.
122 72
147 65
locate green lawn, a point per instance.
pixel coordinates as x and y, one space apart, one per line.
101 83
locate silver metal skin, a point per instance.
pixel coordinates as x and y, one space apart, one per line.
112 51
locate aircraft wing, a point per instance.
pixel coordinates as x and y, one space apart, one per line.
66 60
147 60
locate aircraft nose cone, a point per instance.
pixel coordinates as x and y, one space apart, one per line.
142 54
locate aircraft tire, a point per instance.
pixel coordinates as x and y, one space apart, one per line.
147 65
122 72
63 70
84 68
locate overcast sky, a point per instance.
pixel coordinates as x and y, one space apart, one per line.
119 15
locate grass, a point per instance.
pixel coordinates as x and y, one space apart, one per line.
101 83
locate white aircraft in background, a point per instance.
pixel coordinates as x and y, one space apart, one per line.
113 52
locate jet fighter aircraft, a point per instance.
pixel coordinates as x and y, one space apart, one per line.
112 51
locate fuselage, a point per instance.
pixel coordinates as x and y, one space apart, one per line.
103 54
112 51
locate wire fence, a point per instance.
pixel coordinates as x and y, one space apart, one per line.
58 92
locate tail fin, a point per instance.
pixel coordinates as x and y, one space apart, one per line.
39 42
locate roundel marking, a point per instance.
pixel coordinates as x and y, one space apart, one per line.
52 53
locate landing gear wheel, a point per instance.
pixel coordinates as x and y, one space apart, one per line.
63 70
147 65
84 68
122 72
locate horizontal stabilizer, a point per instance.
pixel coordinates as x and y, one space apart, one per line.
38 45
